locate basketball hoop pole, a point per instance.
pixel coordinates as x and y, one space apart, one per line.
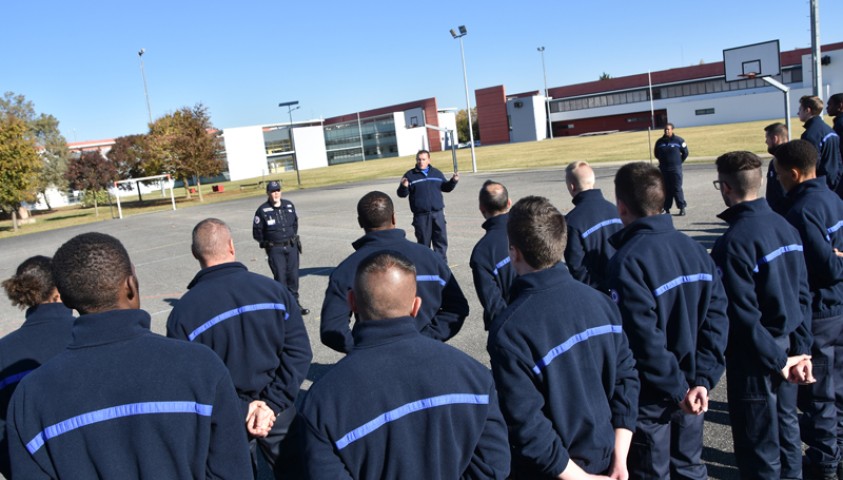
786 90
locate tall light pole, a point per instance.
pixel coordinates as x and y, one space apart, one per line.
546 98
290 105
463 33
145 90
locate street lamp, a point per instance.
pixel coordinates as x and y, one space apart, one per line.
546 98
459 36
145 90
290 105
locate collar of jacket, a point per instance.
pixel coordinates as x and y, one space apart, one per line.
808 186
660 223
744 209
380 332
812 120
379 238
47 312
496 222
109 327
216 271
542 279
587 195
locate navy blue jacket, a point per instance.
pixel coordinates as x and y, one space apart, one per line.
817 213
276 225
404 406
590 224
763 270
671 152
44 334
254 325
565 374
829 162
123 402
490 268
425 190
673 307
838 125
775 195
443 309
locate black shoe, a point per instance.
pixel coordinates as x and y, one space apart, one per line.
304 311
811 471
681 212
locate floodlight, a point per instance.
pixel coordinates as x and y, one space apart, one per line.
463 31
288 104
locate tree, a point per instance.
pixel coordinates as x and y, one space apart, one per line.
605 76
129 155
186 146
92 173
51 144
462 126
19 164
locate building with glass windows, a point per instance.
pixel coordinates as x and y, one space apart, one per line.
686 96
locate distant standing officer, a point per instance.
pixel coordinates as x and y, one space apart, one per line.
775 134
276 228
823 138
671 150
425 184
590 224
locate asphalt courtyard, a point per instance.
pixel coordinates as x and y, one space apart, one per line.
159 245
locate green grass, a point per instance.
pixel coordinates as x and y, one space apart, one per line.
703 143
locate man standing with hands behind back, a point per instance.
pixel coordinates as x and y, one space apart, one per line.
671 151
425 184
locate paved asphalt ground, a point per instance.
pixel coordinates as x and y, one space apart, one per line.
159 245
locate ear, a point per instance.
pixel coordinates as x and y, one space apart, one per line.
417 301
231 246
131 291
352 302
394 223
508 203
622 210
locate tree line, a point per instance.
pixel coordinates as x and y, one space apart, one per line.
34 155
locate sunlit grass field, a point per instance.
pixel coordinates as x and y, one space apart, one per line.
703 143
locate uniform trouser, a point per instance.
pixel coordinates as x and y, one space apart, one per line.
822 402
430 228
765 423
284 263
667 443
673 188
278 447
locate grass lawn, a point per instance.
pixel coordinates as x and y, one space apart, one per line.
703 143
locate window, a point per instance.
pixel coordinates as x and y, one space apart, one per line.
704 111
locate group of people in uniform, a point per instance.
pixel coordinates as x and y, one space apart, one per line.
607 330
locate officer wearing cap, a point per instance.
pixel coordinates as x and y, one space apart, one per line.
276 228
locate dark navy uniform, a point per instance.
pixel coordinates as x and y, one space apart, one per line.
44 334
674 313
590 224
491 269
254 326
775 194
763 270
400 405
276 230
817 213
671 152
565 373
838 125
829 162
443 308
428 207
123 402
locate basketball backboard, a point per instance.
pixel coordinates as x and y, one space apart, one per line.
750 61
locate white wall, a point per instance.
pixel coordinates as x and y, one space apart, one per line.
528 121
410 140
246 152
447 120
310 147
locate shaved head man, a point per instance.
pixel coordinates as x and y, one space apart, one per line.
590 224
423 399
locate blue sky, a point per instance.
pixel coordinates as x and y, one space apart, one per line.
78 60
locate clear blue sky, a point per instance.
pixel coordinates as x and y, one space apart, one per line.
78 60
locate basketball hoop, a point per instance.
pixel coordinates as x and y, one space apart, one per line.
749 75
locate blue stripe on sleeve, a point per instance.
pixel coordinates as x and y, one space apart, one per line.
777 253
427 179
501 264
569 344
697 277
128 410
12 379
233 313
603 224
430 278
835 227
412 407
